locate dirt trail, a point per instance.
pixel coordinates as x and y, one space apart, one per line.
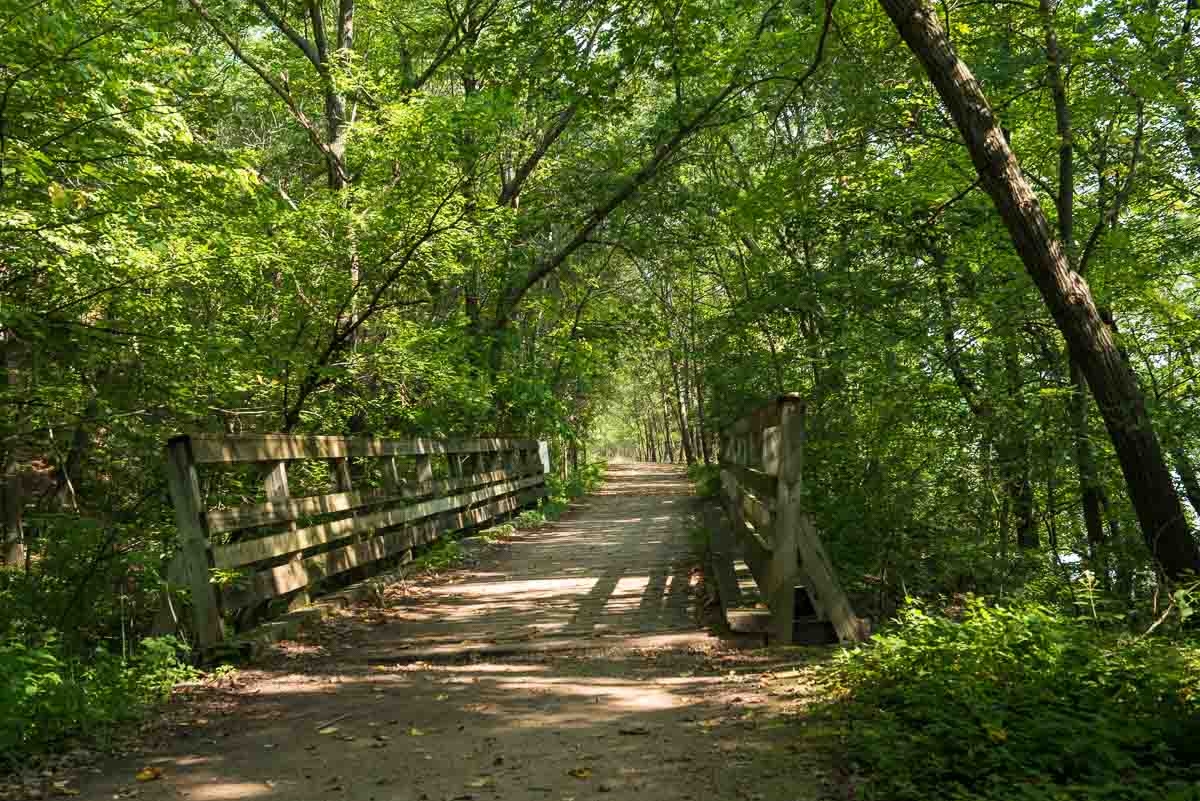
566 664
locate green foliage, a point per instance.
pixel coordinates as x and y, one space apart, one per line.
443 555
1021 702
48 692
561 491
706 478
700 540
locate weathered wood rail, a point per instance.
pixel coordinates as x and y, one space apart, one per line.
762 463
283 545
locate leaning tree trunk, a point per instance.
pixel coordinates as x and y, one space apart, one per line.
1065 293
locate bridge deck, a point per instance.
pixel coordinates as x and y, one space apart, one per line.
618 566
677 717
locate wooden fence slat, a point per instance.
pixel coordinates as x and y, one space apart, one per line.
767 415
758 513
755 481
261 514
244 553
220 448
296 575
276 485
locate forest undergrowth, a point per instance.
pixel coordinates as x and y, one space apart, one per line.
1022 700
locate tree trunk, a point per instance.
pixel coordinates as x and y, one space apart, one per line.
1090 491
1187 474
1066 294
668 445
701 420
12 500
681 412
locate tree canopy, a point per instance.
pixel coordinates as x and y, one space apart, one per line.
966 233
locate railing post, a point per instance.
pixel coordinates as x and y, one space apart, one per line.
424 468
184 486
275 483
789 447
392 480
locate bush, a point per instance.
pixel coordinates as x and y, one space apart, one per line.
560 492
47 696
1022 703
706 478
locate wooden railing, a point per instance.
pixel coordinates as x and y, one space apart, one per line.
282 545
762 465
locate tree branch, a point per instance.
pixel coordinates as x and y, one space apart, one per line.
291 33
314 136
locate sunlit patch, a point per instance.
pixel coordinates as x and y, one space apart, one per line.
221 791
189 761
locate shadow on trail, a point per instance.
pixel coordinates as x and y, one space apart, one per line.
351 714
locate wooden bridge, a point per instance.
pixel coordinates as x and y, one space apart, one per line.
267 522
569 662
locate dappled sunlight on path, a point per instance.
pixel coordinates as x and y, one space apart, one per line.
448 696
618 564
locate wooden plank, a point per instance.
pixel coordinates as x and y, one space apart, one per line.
261 514
424 469
222 448
759 514
244 553
340 468
184 486
392 480
297 575
756 481
276 485
767 415
722 552
827 592
780 593
772 450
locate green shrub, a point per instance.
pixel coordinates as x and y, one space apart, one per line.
47 695
706 478
1022 703
442 555
578 483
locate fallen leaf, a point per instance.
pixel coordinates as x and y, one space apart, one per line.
580 773
482 781
328 730
415 732
148 774
441 697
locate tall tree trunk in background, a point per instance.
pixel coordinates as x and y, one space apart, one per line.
1016 453
1065 293
1186 112
12 500
1090 490
651 439
668 442
1187 474
1013 447
701 420
681 411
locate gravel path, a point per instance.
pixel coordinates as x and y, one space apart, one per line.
568 664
